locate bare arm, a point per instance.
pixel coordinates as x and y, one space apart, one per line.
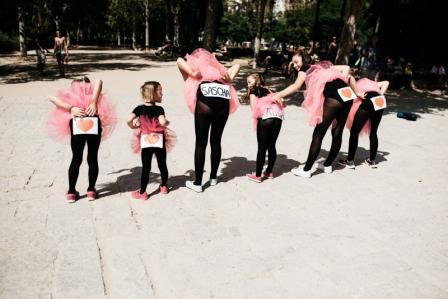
233 71
92 108
163 121
130 121
253 101
185 69
352 83
383 85
293 87
74 111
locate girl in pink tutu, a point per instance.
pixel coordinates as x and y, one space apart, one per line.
330 91
210 96
364 119
83 113
267 117
152 136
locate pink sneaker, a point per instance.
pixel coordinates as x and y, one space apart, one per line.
71 197
136 194
92 195
253 177
164 189
267 175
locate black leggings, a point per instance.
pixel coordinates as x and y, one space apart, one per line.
147 154
333 110
361 117
211 113
77 143
267 134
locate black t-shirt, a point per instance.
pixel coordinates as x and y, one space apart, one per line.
259 91
149 111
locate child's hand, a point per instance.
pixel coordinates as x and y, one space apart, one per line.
196 75
281 102
226 77
136 123
76 111
362 96
91 109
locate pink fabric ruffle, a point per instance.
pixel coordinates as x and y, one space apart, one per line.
316 78
210 69
363 85
262 104
79 95
152 125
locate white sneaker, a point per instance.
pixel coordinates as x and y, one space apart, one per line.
300 172
213 182
192 186
326 169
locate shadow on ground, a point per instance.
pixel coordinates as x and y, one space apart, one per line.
240 166
79 64
129 180
419 101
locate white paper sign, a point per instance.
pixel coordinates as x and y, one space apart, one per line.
346 94
215 90
379 102
151 140
85 125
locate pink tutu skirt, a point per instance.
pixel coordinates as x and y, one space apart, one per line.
316 78
266 102
363 85
210 69
79 95
151 125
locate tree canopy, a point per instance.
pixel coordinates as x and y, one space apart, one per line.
408 28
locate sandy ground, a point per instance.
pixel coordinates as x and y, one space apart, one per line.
364 233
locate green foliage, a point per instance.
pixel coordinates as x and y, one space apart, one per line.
8 42
236 27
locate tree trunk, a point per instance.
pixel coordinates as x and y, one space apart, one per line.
377 27
169 21
146 25
134 39
316 31
56 23
78 33
176 26
260 10
353 12
22 37
118 38
212 19
67 39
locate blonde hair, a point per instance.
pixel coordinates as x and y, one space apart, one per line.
148 90
259 81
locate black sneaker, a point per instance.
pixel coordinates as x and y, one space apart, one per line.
346 163
371 163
